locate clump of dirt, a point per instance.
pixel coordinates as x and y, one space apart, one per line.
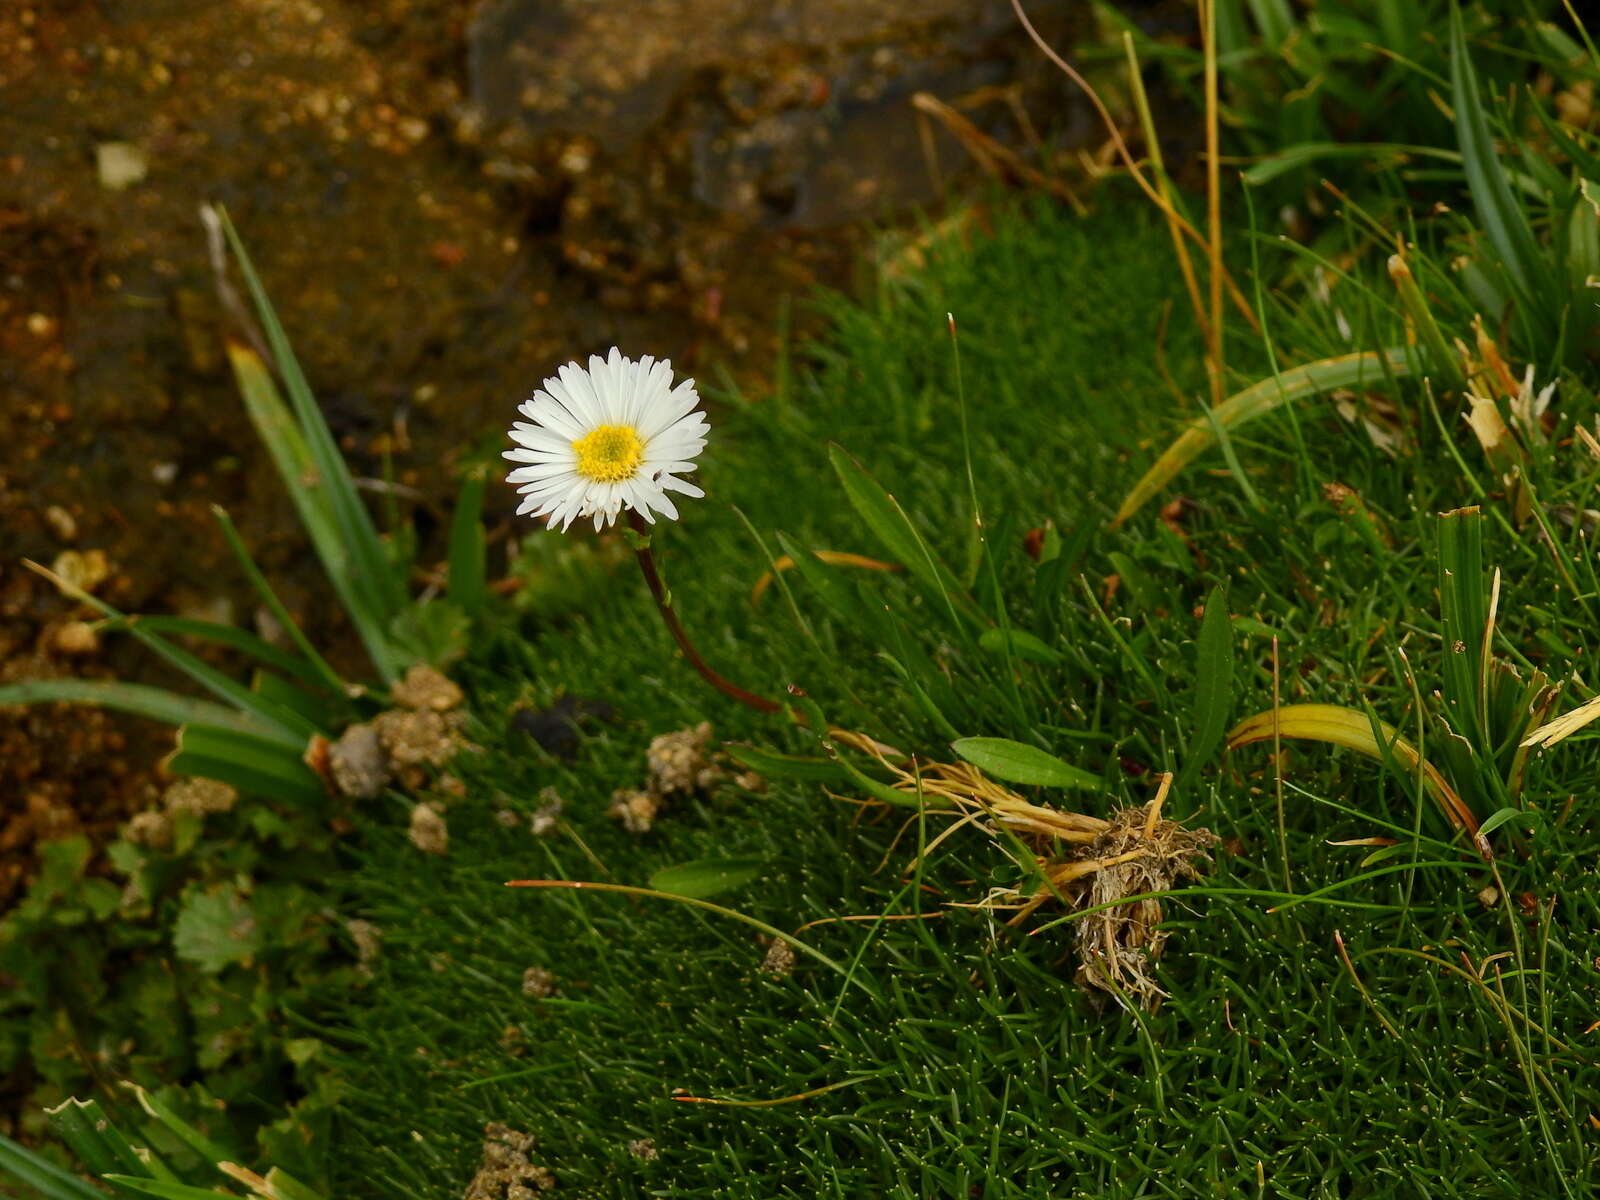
507 1172
677 764
155 827
538 983
428 831
403 746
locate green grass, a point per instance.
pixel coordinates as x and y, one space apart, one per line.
970 1063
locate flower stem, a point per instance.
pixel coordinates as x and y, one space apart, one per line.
658 592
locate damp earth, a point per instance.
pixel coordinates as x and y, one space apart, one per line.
446 200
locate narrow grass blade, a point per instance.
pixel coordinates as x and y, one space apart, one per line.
355 523
467 586
655 894
288 727
1213 690
207 1149
1017 762
772 765
1257 400
230 636
882 514
1503 220
165 1190
158 704
1019 643
796 559
98 1144
315 668
1464 609
1292 158
352 580
254 765
1336 725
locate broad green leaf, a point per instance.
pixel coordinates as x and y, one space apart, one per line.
707 877
1257 400
1020 644
1213 690
1016 762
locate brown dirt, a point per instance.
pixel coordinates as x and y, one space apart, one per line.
446 199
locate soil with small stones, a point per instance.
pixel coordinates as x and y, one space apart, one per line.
446 200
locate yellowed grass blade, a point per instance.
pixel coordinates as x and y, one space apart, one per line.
1564 726
1349 370
1354 730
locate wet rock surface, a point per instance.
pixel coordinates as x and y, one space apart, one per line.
446 199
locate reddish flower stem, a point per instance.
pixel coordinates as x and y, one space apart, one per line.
658 592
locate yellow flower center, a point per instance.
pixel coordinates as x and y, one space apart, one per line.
609 453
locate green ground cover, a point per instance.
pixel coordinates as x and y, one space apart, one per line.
971 1060
1360 1002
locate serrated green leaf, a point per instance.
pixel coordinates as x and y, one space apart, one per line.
216 929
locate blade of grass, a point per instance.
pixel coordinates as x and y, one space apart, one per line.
320 671
882 513
355 522
275 722
467 584
1257 400
351 580
170 708
254 765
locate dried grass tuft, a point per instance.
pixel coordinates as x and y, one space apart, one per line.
1078 862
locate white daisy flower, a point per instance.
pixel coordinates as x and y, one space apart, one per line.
618 434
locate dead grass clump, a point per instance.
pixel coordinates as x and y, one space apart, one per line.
1075 861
